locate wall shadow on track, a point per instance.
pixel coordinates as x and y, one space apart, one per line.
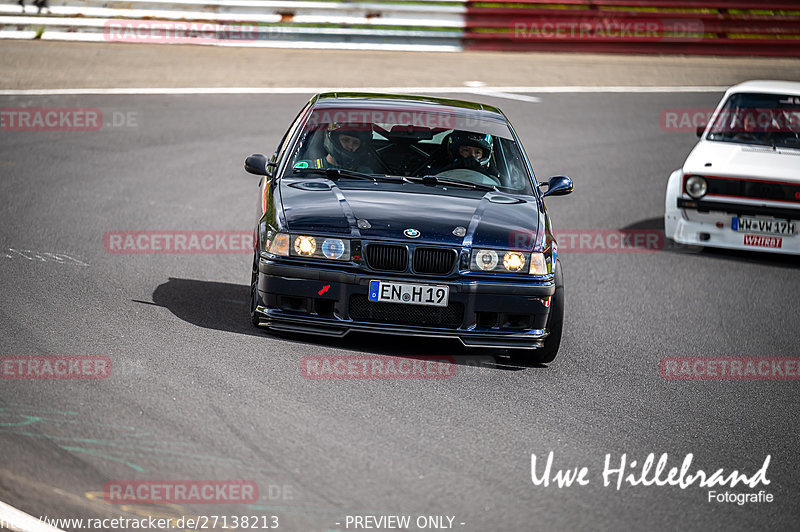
753 257
224 307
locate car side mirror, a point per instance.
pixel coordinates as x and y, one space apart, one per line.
258 164
700 130
558 185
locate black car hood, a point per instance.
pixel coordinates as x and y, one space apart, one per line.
384 211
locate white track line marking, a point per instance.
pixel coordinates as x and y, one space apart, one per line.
506 95
506 91
19 521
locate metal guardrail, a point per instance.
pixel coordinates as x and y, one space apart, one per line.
410 25
717 27
448 13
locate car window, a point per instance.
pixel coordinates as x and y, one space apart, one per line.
759 119
287 137
459 145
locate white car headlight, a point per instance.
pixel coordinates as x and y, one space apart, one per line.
696 186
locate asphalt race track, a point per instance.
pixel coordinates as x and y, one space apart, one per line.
196 393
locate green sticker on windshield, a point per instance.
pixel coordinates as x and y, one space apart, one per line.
301 164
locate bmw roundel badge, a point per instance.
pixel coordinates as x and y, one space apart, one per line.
411 233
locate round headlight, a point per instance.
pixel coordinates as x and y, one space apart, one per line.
333 248
513 261
305 245
486 259
696 187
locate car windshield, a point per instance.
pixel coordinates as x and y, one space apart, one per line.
457 146
759 119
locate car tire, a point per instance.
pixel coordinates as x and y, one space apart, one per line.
555 323
254 318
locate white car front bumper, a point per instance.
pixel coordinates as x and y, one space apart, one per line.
715 228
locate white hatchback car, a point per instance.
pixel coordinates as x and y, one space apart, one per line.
740 186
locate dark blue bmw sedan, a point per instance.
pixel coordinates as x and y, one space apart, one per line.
407 215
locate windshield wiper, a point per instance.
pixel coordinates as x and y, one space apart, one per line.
432 180
336 173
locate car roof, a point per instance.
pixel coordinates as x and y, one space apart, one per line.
399 101
767 87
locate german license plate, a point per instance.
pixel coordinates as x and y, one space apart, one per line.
412 294
767 226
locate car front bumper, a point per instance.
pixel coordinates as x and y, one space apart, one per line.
304 299
708 223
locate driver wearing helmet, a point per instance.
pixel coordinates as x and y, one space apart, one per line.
345 146
469 150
